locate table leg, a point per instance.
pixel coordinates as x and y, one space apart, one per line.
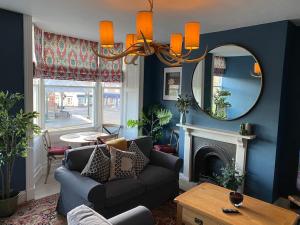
179 215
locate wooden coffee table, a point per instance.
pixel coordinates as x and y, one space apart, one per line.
202 205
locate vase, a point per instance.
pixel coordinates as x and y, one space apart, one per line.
182 118
236 198
9 206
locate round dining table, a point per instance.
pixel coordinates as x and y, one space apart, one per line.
87 137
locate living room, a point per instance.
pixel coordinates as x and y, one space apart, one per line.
190 107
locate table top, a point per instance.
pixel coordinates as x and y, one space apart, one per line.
208 200
83 137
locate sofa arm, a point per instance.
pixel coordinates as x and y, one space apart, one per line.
137 216
82 186
168 161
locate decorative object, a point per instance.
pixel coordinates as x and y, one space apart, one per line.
122 164
183 104
256 70
231 179
141 161
98 166
16 131
172 83
43 211
226 74
142 44
245 129
152 121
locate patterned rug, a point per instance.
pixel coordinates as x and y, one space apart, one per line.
42 212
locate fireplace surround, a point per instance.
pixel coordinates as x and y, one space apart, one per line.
240 143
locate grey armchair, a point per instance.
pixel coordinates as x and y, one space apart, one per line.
84 215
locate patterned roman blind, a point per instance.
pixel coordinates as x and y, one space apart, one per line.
219 65
66 58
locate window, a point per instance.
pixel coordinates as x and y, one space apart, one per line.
111 94
216 85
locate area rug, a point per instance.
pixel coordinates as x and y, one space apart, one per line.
42 212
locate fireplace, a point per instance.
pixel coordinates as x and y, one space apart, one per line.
215 148
207 163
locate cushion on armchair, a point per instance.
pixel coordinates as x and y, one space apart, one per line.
165 149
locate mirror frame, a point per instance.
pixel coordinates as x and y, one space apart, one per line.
261 86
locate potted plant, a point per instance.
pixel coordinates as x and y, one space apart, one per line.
16 130
183 104
231 179
152 121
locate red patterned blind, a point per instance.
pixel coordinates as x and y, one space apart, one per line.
68 58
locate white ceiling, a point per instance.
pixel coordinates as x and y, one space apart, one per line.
80 18
230 51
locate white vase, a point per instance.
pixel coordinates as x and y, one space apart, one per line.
182 118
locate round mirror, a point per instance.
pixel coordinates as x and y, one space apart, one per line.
228 83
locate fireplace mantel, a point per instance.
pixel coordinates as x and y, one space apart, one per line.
241 142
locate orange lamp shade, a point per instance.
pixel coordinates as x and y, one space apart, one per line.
192 35
257 69
144 24
106 34
176 44
130 40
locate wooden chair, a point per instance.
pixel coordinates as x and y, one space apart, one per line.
52 151
112 129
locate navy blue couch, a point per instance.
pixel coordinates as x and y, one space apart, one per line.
157 184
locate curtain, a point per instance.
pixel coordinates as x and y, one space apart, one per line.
111 71
219 65
66 58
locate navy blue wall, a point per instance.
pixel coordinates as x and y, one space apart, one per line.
243 87
12 72
268 43
289 141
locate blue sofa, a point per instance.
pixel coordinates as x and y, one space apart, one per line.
157 184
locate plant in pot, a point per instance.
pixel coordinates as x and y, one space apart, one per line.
152 121
183 104
16 130
231 179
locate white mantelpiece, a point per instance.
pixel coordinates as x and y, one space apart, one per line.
235 138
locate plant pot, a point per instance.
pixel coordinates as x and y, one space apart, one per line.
9 206
236 198
182 118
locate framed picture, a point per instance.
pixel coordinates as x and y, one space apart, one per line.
172 83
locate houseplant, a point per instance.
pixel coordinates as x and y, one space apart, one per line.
183 104
16 130
152 121
221 104
231 179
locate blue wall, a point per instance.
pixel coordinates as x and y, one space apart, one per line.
12 72
268 43
243 87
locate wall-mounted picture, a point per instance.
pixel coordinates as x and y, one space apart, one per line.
172 83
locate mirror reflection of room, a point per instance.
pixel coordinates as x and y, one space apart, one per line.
228 83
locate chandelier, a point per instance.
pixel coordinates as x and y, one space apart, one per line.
142 43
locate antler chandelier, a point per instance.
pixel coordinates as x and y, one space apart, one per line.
142 44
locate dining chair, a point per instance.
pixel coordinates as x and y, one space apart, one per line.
53 152
112 129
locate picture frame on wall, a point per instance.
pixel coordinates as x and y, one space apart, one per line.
172 83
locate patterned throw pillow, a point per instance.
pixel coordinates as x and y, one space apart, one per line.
98 166
141 160
121 164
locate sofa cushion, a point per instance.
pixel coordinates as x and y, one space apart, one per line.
98 166
120 191
83 215
145 144
122 164
155 176
77 158
140 160
119 143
